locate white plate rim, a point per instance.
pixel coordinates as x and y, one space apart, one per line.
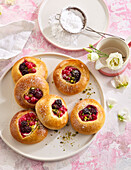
67 155
67 48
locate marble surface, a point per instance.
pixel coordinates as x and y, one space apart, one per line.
111 150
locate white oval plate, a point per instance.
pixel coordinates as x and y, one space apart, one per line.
97 16
57 145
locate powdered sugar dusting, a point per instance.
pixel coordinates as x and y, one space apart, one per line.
61 35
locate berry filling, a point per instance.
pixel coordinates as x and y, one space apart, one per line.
27 67
71 74
58 109
89 113
27 124
129 44
33 95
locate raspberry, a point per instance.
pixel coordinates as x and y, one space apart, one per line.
27 97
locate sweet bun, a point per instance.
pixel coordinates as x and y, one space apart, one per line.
71 76
29 89
52 112
26 128
87 117
28 65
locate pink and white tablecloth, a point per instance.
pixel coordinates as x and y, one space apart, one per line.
111 149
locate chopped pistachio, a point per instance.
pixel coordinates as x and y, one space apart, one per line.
84 91
56 130
121 118
32 88
85 118
110 106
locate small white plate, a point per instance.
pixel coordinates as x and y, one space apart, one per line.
97 16
57 145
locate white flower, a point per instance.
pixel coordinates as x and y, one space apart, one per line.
111 103
114 61
10 2
120 81
1 8
99 65
124 115
92 56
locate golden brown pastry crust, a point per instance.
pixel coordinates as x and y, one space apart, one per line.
46 115
65 87
89 127
39 133
25 83
40 68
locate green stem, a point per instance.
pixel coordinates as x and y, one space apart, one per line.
99 52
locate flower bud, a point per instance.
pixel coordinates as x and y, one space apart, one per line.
88 50
90 45
92 56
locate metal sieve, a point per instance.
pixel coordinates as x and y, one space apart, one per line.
78 12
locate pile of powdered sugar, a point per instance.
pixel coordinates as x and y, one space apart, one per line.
71 22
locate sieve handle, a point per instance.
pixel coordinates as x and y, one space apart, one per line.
92 30
102 33
57 16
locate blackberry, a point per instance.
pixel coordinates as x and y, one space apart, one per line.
38 94
23 123
75 73
32 91
22 129
27 129
22 66
86 110
55 106
93 110
25 72
58 102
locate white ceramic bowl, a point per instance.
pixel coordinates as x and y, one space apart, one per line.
112 45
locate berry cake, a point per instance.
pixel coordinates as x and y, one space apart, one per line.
87 117
71 76
52 112
28 65
29 89
26 128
